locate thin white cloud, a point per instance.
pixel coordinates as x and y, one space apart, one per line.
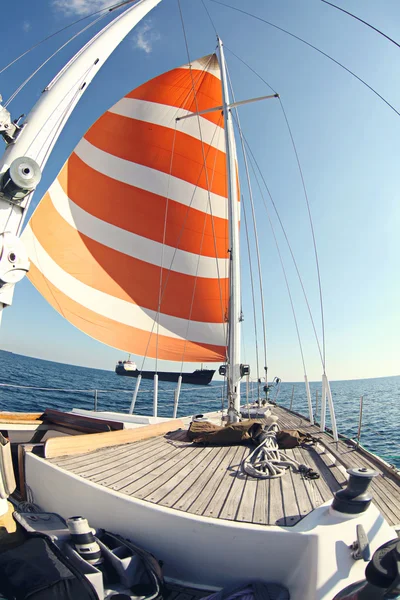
80 8
145 37
26 26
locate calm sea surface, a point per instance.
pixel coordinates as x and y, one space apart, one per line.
381 412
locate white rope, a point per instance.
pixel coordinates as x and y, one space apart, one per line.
267 461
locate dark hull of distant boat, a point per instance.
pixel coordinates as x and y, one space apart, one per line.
198 377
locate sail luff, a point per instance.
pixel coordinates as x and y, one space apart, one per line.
234 241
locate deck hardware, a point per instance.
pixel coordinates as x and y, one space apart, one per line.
14 262
360 421
244 370
360 548
355 498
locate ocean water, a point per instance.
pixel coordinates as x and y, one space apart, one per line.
66 386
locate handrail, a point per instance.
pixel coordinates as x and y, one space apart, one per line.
93 390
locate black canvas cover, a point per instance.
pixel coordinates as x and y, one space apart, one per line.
36 570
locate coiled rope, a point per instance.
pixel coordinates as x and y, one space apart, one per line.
267 461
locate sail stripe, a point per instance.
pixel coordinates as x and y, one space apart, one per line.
125 277
114 308
207 62
130 244
162 149
160 114
175 89
150 180
121 336
142 212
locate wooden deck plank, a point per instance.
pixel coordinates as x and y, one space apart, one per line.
335 477
230 507
213 496
201 483
131 471
246 506
276 507
290 511
310 457
148 484
109 459
303 501
148 472
177 487
309 484
143 471
109 463
260 510
91 457
183 476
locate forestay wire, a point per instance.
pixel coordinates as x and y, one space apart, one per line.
321 351
23 84
93 14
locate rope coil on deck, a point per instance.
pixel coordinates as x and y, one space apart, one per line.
267 461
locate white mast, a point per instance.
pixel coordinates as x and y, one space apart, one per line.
235 313
30 147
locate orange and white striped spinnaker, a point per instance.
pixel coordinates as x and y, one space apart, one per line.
130 243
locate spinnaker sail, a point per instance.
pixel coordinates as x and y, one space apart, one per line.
130 242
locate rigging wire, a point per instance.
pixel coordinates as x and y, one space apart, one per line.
307 204
256 241
288 244
199 255
209 16
362 21
182 98
23 84
314 48
106 8
281 261
163 244
226 274
196 185
203 154
253 296
288 290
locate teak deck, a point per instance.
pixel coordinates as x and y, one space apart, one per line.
209 481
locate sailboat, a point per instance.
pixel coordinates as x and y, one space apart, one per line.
136 243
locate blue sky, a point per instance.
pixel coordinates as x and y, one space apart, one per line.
347 140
